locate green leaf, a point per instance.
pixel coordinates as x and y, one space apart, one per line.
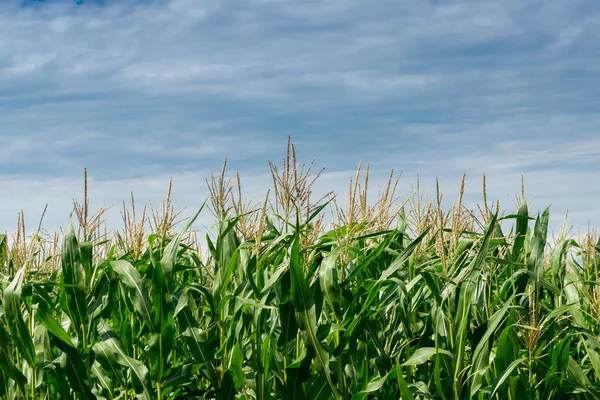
227 389
304 305
86 250
463 313
181 375
375 385
235 366
521 230
481 354
501 380
110 352
319 389
7 362
506 351
169 257
139 295
53 326
76 371
402 257
422 354
14 318
103 379
162 339
72 281
329 282
405 393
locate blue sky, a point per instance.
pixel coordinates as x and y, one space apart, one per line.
139 91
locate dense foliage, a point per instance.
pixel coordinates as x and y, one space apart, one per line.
293 311
367 319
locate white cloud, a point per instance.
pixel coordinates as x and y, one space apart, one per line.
140 91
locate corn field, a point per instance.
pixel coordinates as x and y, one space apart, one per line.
386 301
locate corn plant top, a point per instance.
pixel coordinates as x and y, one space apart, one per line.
346 315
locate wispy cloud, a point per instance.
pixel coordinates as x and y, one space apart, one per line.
135 90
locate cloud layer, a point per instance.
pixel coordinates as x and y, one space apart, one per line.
138 91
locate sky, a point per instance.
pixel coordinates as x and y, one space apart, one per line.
138 92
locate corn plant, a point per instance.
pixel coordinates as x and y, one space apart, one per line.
279 307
